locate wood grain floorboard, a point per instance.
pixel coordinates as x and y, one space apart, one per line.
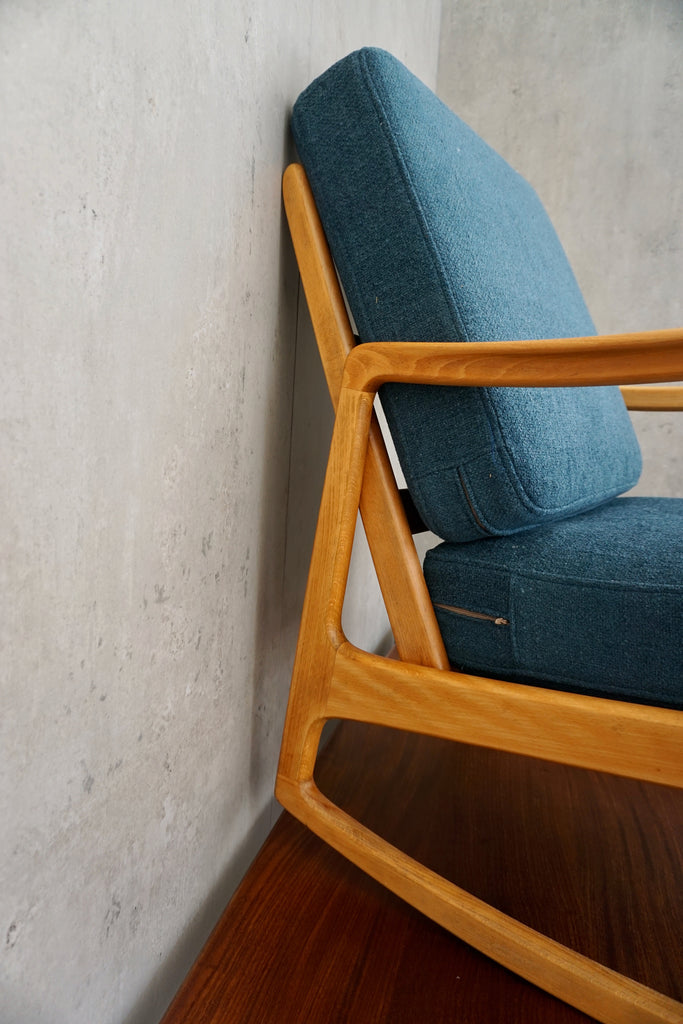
593 860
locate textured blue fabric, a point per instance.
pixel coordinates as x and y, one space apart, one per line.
593 603
436 238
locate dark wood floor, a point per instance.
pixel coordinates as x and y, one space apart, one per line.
593 860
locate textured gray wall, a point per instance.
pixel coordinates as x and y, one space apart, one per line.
153 541
586 101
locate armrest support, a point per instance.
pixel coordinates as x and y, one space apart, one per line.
661 399
558 362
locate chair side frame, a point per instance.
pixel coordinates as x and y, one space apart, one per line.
334 679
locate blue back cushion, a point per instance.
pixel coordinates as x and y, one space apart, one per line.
436 238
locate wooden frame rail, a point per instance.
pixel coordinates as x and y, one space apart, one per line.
657 399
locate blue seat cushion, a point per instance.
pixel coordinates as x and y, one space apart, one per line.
592 604
436 238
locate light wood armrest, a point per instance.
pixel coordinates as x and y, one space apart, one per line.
644 399
644 358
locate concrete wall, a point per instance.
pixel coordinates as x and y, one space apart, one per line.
586 100
156 391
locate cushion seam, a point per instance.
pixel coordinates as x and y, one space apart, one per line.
598 497
573 581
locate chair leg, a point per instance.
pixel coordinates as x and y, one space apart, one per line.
320 633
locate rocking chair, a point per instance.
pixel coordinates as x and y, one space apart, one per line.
548 622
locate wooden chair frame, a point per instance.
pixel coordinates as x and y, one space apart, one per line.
333 679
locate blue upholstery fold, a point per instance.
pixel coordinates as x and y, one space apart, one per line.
436 238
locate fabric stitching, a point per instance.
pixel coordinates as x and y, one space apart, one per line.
417 491
564 581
